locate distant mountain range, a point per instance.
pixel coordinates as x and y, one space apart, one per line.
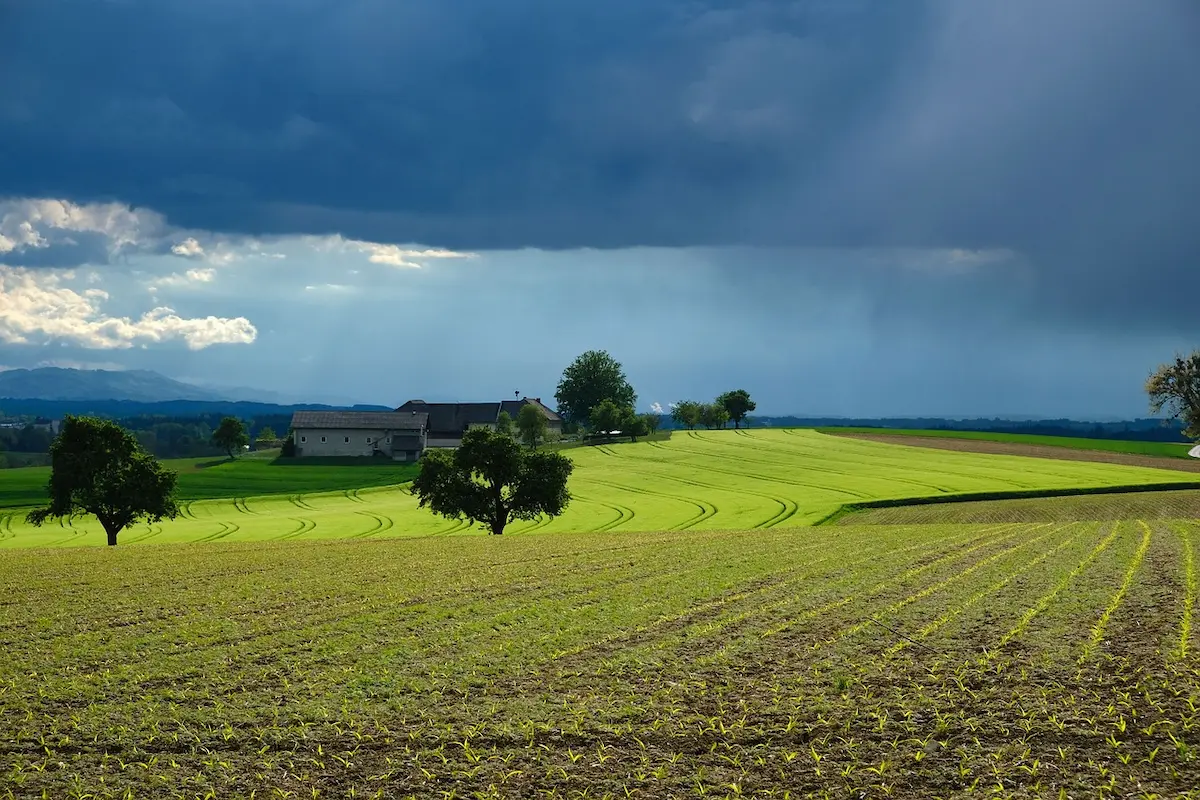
58 383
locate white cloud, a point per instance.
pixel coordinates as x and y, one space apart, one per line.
189 278
188 248
24 223
36 308
329 287
657 408
390 254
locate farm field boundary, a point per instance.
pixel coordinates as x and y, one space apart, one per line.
1166 504
975 497
1158 455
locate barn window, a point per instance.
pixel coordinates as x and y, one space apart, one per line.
347 440
322 440
389 440
368 440
303 439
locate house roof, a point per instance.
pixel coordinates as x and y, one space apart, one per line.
456 417
360 420
513 407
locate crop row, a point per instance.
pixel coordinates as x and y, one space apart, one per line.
911 661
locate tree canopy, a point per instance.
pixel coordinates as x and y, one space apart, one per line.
589 380
737 405
1175 388
98 467
230 435
491 481
713 415
531 426
687 413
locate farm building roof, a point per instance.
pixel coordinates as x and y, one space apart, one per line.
456 417
361 420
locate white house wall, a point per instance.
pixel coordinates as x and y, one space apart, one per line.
309 444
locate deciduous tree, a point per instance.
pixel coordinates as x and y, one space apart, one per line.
608 417
652 422
504 423
230 435
591 379
1175 388
491 481
713 415
737 405
687 413
98 468
531 426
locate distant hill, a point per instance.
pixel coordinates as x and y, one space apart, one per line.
57 383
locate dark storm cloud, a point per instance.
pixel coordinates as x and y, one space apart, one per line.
1064 131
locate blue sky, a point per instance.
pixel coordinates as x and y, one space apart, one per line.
848 208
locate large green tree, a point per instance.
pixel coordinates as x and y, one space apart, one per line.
737 405
609 417
713 415
687 413
98 468
231 435
531 425
492 481
591 379
1175 388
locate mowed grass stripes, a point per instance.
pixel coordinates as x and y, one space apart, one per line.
710 480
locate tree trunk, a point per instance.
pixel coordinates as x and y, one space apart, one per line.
112 532
497 527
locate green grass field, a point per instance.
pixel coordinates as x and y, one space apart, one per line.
1160 449
209 478
1012 660
731 480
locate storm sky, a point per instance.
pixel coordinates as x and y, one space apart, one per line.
846 207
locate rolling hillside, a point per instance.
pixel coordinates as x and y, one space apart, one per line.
732 480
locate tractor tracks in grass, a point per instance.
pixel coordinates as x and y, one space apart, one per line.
227 528
153 530
304 525
787 507
706 509
383 523
624 513
841 490
239 505
299 502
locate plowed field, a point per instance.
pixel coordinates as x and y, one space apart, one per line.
1017 660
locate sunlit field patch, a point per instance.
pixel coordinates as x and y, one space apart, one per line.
719 480
1010 659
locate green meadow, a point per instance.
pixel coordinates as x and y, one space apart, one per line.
710 480
1160 449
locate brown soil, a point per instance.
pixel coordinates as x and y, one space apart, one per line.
1035 451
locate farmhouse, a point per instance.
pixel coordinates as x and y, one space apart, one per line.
390 434
449 421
